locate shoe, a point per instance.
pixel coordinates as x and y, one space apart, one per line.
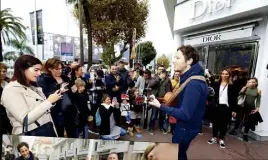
200 133
210 125
212 140
245 138
151 132
138 130
165 132
222 144
130 131
233 132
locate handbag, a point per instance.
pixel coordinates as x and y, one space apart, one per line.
241 100
46 130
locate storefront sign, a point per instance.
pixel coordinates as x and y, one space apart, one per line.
203 7
212 38
219 36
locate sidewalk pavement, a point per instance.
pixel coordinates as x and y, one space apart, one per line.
200 149
235 148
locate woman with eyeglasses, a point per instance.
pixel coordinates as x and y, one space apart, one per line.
23 99
50 81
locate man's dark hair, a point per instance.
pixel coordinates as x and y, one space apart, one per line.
22 144
22 63
9 146
147 71
76 59
160 66
164 72
189 52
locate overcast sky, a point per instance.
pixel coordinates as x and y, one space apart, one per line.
57 18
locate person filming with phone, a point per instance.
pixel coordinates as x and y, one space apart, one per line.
189 101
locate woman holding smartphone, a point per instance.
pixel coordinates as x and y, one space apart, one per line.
23 98
50 81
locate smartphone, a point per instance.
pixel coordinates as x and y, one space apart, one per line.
151 97
114 99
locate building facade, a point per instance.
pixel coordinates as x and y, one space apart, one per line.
71 149
126 150
226 33
81 149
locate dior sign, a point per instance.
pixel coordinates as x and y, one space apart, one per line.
211 38
204 7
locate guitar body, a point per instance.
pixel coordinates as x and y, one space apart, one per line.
167 100
171 98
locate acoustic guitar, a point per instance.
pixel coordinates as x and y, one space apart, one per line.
170 98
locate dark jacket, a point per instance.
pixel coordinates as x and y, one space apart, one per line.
6 127
153 85
163 87
105 119
80 101
232 95
253 120
49 85
191 103
9 156
110 84
124 76
32 157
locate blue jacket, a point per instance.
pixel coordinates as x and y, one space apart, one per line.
110 82
191 103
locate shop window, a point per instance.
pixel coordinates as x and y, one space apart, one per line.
61 149
241 57
85 143
203 55
71 146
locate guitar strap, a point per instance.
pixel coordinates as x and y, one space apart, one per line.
177 92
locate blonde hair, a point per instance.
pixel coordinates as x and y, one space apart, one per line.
79 82
147 151
230 81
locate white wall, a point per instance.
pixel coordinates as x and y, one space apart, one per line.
262 74
184 12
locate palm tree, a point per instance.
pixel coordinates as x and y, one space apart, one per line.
8 56
10 27
21 46
86 4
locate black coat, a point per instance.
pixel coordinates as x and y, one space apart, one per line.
105 119
80 101
232 95
49 85
124 76
5 122
253 120
9 156
111 82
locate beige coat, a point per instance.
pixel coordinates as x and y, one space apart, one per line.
19 101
